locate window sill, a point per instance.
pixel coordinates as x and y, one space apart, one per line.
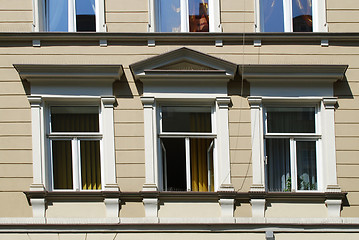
240 197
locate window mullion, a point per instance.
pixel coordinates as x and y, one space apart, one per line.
71 16
184 16
75 144
188 164
293 164
287 14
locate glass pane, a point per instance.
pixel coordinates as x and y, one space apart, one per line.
90 165
57 15
201 164
302 16
74 119
291 120
62 164
174 161
186 119
169 19
271 16
278 165
85 16
198 15
306 165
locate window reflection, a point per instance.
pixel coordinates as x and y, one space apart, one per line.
198 16
170 15
302 16
272 18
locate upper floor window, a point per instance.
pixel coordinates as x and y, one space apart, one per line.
291 16
69 15
185 16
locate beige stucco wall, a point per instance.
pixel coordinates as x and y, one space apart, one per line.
15 116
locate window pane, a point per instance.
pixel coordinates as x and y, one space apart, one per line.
90 165
186 119
202 164
74 119
306 165
302 15
62 164
57 15
174 160
291 120
85 16
278 165
169 19
198 15
271 16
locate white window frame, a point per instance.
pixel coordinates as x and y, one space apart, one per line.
75 138
187 137
40 19
293 139
318 16
214 16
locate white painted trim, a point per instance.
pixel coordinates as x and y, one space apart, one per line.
227 208
108 141
258 207
329 153
252 223
257 144
334 207
151 209
149 111
37 142
223 159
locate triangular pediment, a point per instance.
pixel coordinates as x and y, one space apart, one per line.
183 63
185 66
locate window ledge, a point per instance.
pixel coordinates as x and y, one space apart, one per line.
98 196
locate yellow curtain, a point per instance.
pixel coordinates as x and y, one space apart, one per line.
89 151
90 165
199 146
62 164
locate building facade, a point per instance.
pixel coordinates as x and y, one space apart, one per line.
179 119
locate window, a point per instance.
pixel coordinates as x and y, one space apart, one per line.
75 147
291 16
69 15
186 15
187 144
291 148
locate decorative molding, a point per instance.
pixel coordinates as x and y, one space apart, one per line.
227 208
334 207
257 43
292 73
151 208
258 207
324 43
329 103
69 73
205 38
38 207
150 69
112 207
255 102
